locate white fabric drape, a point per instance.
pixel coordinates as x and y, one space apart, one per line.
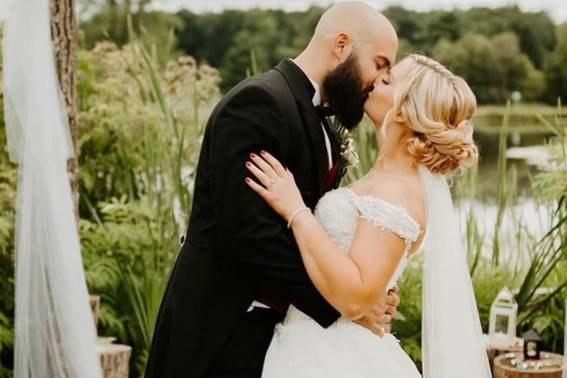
54 328
452 341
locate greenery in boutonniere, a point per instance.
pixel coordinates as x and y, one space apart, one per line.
348 156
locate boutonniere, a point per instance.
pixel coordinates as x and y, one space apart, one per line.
348 155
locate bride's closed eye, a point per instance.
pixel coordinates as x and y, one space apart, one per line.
387 79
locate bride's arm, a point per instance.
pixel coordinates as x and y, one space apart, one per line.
351 283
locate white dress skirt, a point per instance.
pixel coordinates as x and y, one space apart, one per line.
301 348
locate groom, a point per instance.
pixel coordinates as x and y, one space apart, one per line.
239 268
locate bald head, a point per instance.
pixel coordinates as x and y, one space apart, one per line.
356 19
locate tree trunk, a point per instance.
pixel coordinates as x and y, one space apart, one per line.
64 36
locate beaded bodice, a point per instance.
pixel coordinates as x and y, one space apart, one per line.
339 212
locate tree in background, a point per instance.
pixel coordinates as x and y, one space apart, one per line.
536 31
499 50
408 23
112 19
229 39
494 67
556 68
209 36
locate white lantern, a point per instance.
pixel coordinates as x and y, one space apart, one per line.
503 318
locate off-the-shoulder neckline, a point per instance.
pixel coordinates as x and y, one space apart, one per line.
384 202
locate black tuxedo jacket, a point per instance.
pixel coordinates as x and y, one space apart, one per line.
236 245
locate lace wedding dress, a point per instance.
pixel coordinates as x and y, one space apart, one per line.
301 348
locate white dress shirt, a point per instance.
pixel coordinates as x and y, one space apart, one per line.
317 101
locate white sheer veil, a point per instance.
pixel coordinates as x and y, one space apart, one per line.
452 340
54 328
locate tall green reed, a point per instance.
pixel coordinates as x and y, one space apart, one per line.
132 238
502 188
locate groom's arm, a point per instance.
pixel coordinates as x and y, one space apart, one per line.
255 236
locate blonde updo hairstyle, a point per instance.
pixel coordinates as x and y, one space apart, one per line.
438 106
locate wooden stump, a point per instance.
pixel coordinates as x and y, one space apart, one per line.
495 351
503 368
115 359
95 308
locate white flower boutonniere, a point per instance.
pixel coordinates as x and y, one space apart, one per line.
349 155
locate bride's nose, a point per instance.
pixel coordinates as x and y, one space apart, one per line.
378 81
373 86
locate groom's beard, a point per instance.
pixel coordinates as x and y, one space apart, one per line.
346 93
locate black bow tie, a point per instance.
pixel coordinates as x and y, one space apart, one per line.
325 111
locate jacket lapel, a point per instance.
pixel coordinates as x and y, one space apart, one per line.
303 91
333 138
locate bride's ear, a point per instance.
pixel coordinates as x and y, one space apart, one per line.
394 115
399 118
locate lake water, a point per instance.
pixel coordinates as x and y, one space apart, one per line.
488 165
523 213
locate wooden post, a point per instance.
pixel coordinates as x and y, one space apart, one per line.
64 36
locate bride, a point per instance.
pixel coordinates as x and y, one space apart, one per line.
358 242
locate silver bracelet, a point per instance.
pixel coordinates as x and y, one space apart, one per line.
295 214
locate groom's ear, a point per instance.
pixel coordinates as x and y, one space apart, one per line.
342 46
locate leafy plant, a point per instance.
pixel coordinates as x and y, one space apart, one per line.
140 138
8 179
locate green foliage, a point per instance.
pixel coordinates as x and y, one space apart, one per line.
493 67
111 22
130 112
141 128
127 256
535 31
225 39
8 179
555 68
502 191
407 326
498 50
546 313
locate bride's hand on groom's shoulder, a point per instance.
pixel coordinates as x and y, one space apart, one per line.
275 184
379 318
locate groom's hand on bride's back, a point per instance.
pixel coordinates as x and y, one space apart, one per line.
379 318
